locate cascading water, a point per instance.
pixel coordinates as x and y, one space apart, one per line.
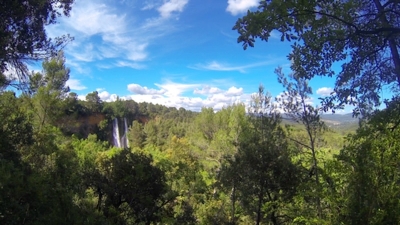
123 141
117 140
125 137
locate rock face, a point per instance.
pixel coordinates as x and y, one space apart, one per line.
115 131
82 125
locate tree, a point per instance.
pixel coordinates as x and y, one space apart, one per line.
94 102
296 106
371 168
56 74
261 173
22 32
72 105
15 129
129 187
48 89
136 135
184 173
37 170
362 35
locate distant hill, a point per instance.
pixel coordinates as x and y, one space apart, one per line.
338 122
337 119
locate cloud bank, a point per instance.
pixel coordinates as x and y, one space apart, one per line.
172 94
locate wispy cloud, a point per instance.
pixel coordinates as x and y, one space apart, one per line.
90 18
172 6
133 65
216 66
78 67
108 32
240 6
148 4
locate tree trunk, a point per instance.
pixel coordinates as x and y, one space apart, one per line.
233 199
392 42
259 205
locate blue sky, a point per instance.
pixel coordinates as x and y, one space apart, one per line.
180 53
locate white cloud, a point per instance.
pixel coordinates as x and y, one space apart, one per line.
206 90
78 67
233 91
139 53
216 102
216 66
176 89
92 18
82 97
171 6
173 94
113 98
11 72
275 34
148 5
106 32
75 84
133 65
137 89
325 91
104 95
107 97
220 98
86 53
239 6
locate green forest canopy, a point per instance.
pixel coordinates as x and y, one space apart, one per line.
235 166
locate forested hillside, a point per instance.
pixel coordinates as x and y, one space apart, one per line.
70 161
59 163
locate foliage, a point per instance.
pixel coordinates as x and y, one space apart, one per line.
129 187
58 166
22 32
261 174
136 135
46 91
93 102
362 35
371 160
295 103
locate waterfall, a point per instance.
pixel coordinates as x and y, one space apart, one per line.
117 140
126 141
120 142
